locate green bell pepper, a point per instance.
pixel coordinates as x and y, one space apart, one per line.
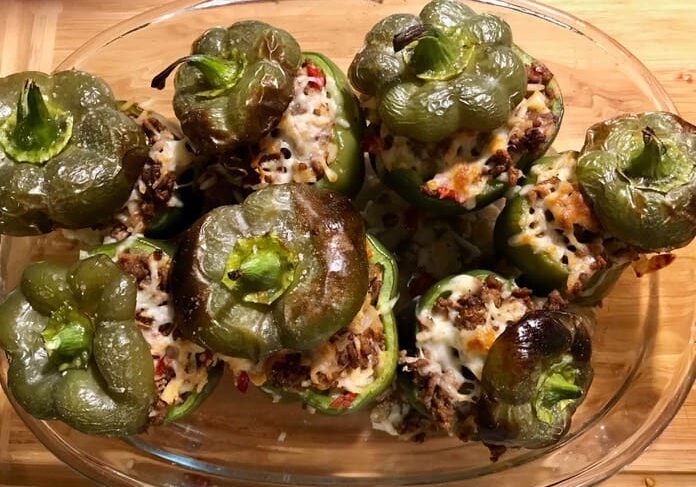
75 351
68 156
460 166
537 373
235 85
441 72
335 402
550 233
286 269
639 173
456 322
133 256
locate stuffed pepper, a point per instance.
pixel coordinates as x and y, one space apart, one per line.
185 373
318 137
76 353
535 376
638 172
549 231
286 269
456 110
163 201
235 85
353 367
69 157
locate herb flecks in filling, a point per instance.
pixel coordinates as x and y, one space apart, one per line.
301 147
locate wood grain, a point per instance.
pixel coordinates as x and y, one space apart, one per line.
38 34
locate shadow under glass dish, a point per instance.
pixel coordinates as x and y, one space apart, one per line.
643 371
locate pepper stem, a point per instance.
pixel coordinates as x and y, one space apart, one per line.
37 131
647 164
221 74
557 388
68 338
260 268
435 55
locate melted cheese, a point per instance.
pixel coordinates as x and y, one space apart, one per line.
556 238
448 348
153 303
301 147
459 162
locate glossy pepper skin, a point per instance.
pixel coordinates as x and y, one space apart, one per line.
75 351
542 270
330 403
235 85
537 373
409 183
285 269
639 173
406 382
349 164
68 156
445 70
146 246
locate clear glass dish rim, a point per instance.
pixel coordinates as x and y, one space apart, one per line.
593 473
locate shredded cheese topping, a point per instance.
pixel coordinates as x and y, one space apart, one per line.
557 209
301 148
181 366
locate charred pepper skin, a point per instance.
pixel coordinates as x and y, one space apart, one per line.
331 404
540 270
235 85
285 269
146 246
57 129
536 375
75 351
639 173
443 71
461 73
349 164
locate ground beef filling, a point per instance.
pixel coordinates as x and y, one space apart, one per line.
181 367
154 191
343 365
301 147
446 372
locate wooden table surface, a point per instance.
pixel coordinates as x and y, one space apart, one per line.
41 33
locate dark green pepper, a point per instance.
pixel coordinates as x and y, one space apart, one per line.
441 72
639 173
235 85
550 233
68 156
457 321
467 166
335 402
285 269
536 375
174 358
75 351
